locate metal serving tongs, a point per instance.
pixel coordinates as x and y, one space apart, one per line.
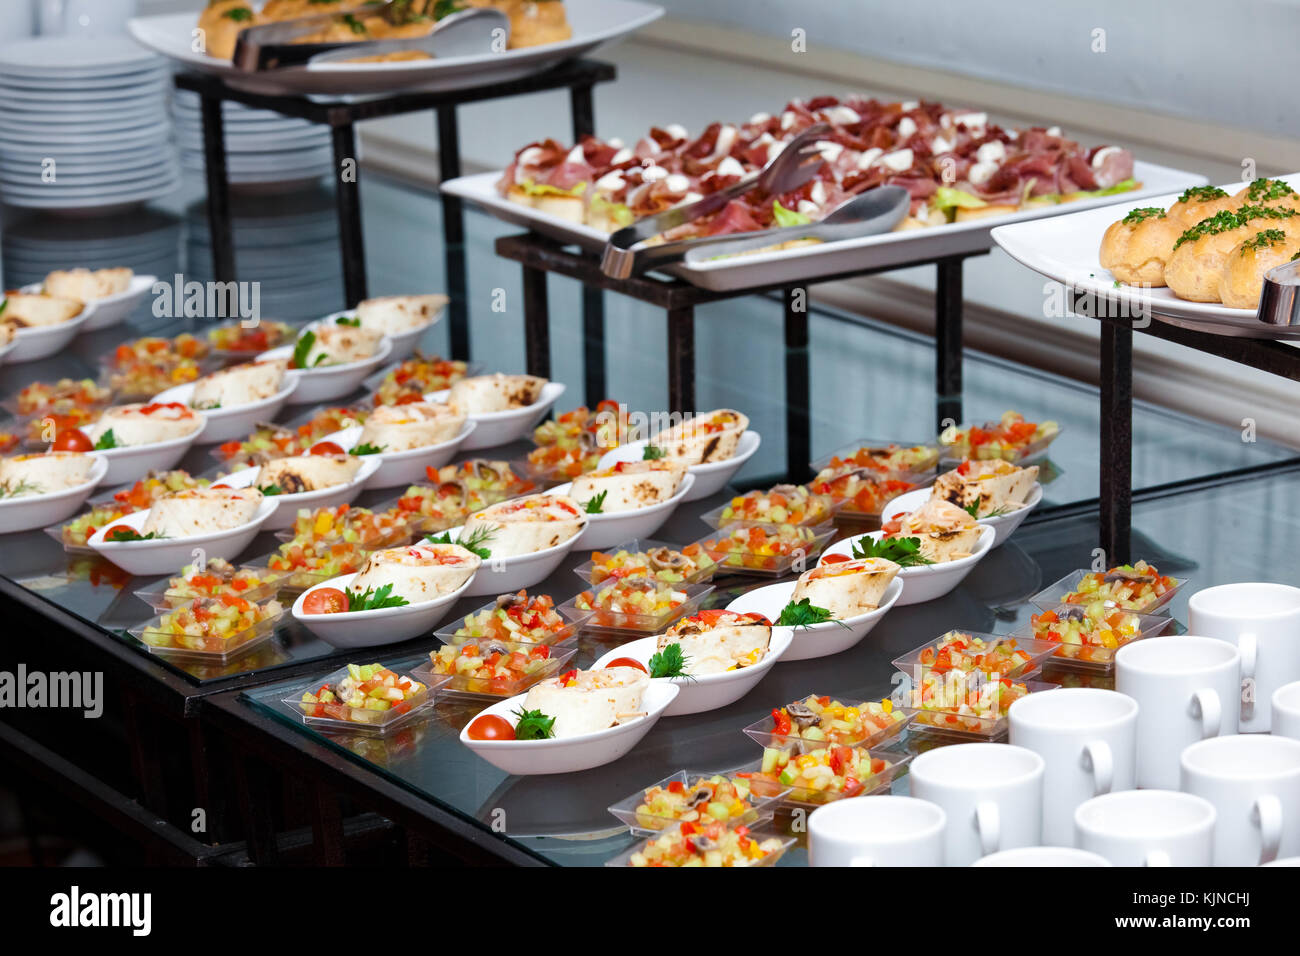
795 165
1279 300
874 211
273 46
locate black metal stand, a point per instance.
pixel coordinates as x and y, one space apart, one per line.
1117 328
540 256
577 76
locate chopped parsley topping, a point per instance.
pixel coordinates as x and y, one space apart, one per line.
1202 193
1143 214
1263 190
1260 240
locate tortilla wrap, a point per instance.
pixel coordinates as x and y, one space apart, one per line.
238 385
630 485
496 393
201 511
731 643
711 436
392 314
25 475
339 344
994 485
131 426
527 525
416 425
419 572
26 310
846 588
945 532
84 285
307 472
591 700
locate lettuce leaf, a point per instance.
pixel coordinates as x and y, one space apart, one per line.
787 217
531 188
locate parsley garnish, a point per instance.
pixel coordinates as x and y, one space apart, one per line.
1267 237
973 509
270 489
652 453
905 552
4 304
106 440
22 488
1225 219
355 25
596 505
1205 193
350 320
117 535
302 347
1266 189
670 662
534 725
373 600
805 614
445 8
366 448
239 14
475 542
1147 212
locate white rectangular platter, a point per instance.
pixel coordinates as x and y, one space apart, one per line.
595 23
828 259
1065 248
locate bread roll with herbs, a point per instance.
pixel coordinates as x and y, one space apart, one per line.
1136 248
1196 267
1242 280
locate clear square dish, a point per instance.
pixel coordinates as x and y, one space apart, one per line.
966 707
1143 600
782 504
765 550
339 715
973 651
535 663
674 800
890 459
762 847
817 777
669 563
1092 642
957 445
225 634
251 583
555 626
831 722
621 617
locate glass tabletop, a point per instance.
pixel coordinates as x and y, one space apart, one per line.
868 379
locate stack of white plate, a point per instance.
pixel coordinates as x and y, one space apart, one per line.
83 124
264 149
149 241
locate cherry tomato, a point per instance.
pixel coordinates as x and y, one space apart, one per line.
626 662
326 448
491 727
114 533
71 439
835 558
325 601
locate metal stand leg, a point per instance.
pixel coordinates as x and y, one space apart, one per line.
947 341
798 449
326 828
214 165
582 108
681 359
537 323
593 345
453 235
1116 441
348 201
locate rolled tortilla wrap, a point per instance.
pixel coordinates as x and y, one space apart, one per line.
945 532
25 475
483 394
201 511
238 385
419 572
141 424
993 485
527 525
590 701
307 472
847 588
630 485
339 344
712 436
392 314
416 425
714 643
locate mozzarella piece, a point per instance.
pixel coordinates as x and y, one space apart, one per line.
906 127
993 151
842 115
1102 154
730 167
867 158
899 160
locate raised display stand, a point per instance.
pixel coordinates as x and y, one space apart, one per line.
579 77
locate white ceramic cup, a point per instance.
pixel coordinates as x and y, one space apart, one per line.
1253 780
882 831
1284 711
1147 828
1043 856
1263 622
1187 689
992 794
1088 741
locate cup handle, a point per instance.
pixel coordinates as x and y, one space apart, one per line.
1267 815
988 826
1248 647
1205 707
1157 858
1100 762
861 861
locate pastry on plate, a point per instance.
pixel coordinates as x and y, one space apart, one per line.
85 285
1242 279
1136 248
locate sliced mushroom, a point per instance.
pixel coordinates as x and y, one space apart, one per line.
1073 613
786 490
509 600
486 471
666 559
292 484
699 798
1119 574
703 844
456 489
801 714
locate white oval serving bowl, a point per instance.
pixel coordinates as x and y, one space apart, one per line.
1002 525
500 428
604 531
169 555
386 625
709 479
112 309
506 575
568 754
817 640
287 506
328 382
37 511
705 691
132 462
224 424
43 341
930 581
404 467
403 342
